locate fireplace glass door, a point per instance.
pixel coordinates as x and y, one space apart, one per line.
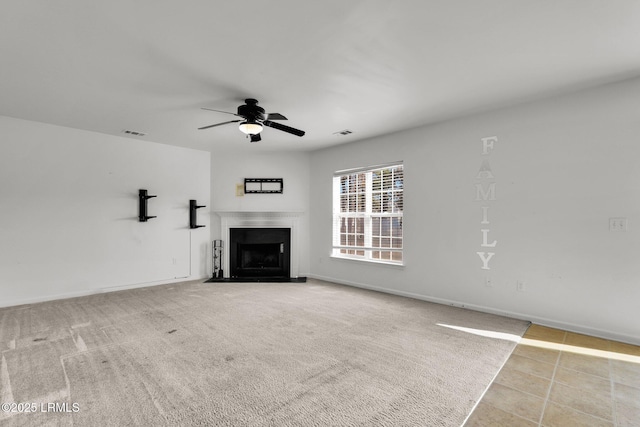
260 252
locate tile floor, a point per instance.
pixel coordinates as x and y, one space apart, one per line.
556 378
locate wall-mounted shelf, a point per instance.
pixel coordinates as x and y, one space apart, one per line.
143 197
263 185
193 207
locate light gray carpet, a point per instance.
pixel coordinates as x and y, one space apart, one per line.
248 354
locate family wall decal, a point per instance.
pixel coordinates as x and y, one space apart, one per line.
486 194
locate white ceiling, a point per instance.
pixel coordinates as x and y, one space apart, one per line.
371 66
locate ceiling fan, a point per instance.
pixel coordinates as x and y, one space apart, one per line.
253 119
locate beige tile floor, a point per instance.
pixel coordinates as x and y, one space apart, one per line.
556 378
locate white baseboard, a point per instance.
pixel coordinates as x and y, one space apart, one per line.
76 294
552 323
143 285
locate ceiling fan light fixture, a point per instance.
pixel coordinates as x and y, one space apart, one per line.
250 127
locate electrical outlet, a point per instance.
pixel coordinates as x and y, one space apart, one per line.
174 261
617 224
520 286
487 282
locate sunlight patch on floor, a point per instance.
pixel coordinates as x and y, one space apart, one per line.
586 351
605 354
485 333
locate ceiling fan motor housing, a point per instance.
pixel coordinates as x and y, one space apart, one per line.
251 111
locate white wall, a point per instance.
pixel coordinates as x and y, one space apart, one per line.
231 168
562 168
69 212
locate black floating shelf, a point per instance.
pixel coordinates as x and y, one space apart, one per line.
193 206
143 197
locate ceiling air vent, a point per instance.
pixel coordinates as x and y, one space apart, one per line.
343 132
133 133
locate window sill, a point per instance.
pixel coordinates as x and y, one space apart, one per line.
368 261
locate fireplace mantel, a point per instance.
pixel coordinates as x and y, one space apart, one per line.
258 214
253 219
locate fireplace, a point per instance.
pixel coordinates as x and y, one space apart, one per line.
260 252
230 220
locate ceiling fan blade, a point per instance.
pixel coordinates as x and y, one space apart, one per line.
283 128
255 138
275 116
219 124
218 111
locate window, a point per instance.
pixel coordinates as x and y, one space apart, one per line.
367 213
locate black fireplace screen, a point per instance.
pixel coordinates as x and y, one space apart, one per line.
260 252
261 255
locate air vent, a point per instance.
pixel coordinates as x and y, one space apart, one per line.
343 132
133 133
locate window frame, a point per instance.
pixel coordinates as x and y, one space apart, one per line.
355 238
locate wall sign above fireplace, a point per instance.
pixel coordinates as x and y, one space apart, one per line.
263 185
